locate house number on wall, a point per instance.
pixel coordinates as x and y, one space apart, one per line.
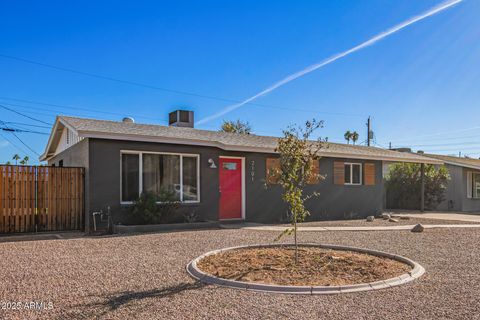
252 171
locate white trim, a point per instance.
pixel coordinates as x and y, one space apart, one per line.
244 208
140 172
351 164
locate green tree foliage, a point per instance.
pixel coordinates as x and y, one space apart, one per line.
297 153
146 209
349 135
355 136
16 157
403 185
237 126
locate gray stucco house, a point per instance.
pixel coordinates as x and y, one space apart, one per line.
463 190
222 176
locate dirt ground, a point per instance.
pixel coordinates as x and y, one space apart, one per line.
315 266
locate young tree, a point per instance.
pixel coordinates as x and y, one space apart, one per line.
348 136
26 159
16 157
297 156
236 127
354 136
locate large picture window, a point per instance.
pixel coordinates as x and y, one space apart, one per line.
353 173
164 175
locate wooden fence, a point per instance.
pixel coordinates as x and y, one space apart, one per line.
41 198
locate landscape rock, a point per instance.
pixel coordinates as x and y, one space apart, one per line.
393 220
418 228
370 218
386 216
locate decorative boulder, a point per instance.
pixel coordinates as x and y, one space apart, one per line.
392 220
418 228
370 218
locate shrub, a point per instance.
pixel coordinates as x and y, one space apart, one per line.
403 184
146 210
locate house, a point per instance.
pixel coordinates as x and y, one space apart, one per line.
220 176
463 190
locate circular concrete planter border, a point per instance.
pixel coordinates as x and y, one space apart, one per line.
416 272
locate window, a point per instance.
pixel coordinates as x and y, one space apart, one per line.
164 175
60 163
353 173
473 185
229 166
130 177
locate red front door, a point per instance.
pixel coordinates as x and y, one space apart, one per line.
230 188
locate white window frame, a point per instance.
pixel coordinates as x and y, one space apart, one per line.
351 164
471 190
140 172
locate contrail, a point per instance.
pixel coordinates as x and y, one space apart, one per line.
336 57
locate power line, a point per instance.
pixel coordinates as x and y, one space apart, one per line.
9 129
139 84
21 141
27 124
23 115
14 144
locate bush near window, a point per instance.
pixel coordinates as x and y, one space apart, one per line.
403 185
146 210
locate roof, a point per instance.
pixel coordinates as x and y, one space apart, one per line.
105 129
457 161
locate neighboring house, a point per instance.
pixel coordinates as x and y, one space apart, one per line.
220 175
463 190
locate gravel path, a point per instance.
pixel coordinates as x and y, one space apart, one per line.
143 277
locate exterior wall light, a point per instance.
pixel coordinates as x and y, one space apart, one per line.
212 164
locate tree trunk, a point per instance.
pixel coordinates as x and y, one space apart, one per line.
295 239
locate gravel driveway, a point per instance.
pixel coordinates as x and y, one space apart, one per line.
143 277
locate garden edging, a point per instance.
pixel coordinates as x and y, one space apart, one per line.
416 272
123 229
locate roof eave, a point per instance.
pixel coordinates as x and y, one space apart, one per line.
144 138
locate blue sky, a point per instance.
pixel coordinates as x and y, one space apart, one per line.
420 85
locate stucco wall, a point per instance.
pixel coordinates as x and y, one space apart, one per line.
472 204
262 204
456 190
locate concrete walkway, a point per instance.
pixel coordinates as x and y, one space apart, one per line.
373 228
444 216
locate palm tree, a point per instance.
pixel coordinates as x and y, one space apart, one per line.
348 136
25 159
16 157
354 136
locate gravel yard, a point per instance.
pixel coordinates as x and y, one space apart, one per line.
143 277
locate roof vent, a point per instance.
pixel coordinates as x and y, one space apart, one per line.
128 120
181 118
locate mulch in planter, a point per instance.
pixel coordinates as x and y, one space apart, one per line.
316 266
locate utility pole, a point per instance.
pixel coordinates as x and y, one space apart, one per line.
368 131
